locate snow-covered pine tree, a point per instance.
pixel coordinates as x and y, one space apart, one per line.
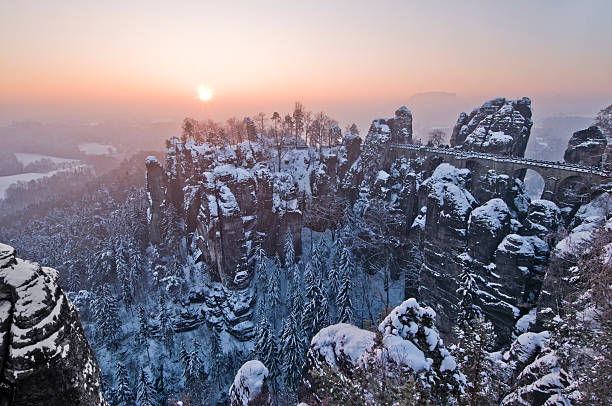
136 261
146 394
315 312
192 369
468 308
124 391
124 274
166 328
292 349
266 349
345 304
317 261
106 315
476 338
143 334
216 359
274 284
289 251
261 272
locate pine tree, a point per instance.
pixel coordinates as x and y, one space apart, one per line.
124 391
146 395
316 311
159 384
317 259
125 275
476 338
106 314
216 371
166 328
289 251
345 305
136 261
261 273
292 349
192 367
143 334
274 285
468 309
266 348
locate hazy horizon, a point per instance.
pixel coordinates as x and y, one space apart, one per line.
144 61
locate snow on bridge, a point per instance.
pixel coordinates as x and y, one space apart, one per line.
558 176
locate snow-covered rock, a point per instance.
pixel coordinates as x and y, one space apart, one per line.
408 338
45 358
250 385
499 126
586 147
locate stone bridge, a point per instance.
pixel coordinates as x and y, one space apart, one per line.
560 178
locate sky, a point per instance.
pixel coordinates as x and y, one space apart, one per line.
144 60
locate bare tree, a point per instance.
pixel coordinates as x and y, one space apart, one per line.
436 137
278 137
260 119
298 120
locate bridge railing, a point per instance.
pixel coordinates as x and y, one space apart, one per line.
500 158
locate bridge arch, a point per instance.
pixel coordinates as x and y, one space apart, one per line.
534 184
572 190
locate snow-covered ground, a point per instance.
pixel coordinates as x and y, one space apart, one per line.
27 158
7 181
94 148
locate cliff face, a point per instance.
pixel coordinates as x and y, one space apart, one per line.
499 126
45 358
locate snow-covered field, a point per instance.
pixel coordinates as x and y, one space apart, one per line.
27 158
94 148
7 181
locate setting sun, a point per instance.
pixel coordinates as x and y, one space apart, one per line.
204 93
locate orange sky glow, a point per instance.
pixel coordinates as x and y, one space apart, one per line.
147 58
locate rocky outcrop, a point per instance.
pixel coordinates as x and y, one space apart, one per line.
499 126
155 183
231 203
586 147
250 387
45 358
408 339
375 153
448 206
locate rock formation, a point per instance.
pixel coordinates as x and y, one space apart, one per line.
499 126
586 147
45 358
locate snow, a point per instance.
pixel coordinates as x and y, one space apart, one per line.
248 382
7 181
526 345
342 341
95 148
526 321
523 245
492 213
404 352
498 138
152 160
383 176
588 219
